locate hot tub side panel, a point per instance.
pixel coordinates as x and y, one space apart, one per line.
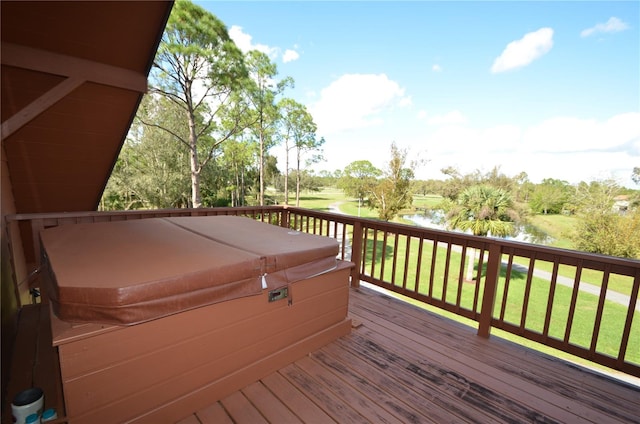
165 369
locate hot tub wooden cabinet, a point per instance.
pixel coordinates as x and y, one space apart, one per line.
156 318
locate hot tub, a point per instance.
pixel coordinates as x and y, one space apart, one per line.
156 318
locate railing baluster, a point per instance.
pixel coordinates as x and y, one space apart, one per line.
603 296
358 245
432 274
476 292
445 278
550 299
406 262
447 247
574 301
527 292
416 284
394 260
490 289
374 253
505 292
629 320
344 241
461 276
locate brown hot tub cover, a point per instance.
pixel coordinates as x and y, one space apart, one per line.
287 255
127 272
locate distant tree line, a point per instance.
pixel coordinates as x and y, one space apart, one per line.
493 203
202 137
203 133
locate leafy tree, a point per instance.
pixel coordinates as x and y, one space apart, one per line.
608 234
601 228
120 192
306 142
549 197
523 187
453 185
238 159
393 192
151 171
308 181
298 131
497 179
262 94
358 179
596 197
327 178
197 67
457 182
425 187
483 210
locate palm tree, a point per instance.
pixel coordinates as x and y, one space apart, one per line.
483 210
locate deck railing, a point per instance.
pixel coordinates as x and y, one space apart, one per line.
557 297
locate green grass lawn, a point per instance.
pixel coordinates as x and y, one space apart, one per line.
496 332
557 226
429 201
583 322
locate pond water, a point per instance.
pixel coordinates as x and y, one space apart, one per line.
435 219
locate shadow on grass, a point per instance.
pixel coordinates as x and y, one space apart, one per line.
516 274
312 198
387 252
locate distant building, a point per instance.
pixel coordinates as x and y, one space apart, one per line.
621 203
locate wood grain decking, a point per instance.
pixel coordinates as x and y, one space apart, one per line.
406 365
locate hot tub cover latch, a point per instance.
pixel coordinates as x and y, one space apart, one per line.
277 294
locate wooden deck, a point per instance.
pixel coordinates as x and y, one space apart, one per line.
405 365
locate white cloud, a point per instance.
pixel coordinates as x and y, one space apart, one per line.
436 68
245 43
570 135
451 118
356 101
522 52
290 55
568 148
612 25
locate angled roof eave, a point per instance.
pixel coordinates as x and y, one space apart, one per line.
73 75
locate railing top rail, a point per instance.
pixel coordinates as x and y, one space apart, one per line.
517 247
77 214
511 246
369 247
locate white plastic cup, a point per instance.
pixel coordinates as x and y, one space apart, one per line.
27 402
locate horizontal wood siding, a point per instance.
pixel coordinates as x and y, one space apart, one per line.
123 373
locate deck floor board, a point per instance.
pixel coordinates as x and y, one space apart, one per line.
402 364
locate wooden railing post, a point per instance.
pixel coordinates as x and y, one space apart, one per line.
490 288
356 253
284 217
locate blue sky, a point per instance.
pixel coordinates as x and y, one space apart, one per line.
547 88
